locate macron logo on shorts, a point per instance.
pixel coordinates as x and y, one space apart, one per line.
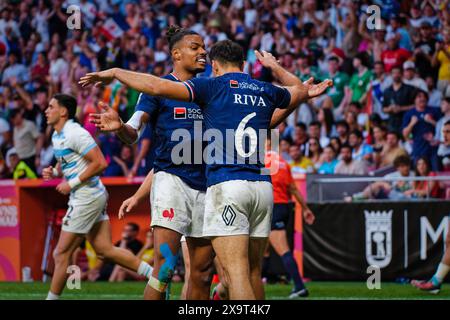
179 113
228 215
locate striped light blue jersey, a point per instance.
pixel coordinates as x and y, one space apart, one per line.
70 145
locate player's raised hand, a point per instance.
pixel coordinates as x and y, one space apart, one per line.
266 58
47 173
127 206
107 120
97 78
315 90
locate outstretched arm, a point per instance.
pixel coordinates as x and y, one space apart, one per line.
299 91
108 120
142 82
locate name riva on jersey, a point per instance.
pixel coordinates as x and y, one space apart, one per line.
247 99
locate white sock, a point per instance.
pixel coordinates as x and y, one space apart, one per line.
145 269
52 296
441 272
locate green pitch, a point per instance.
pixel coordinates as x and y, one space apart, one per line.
133 290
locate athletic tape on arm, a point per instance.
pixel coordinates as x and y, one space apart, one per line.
136 122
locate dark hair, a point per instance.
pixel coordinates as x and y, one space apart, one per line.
421 92
338 142
357 133
395 133
288 140
14 112
318 144
329 119
346 146
402 160
427 162
315 123
447 123
174 34
356 104
364 58
343 123
134 226
399 67
68 102
301 125
447 99
333 58
227 51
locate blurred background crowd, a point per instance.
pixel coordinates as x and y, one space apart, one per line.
388 108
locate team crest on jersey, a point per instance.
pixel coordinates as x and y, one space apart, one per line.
179 113
234 84
169 214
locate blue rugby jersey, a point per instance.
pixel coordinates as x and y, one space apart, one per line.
166 116
238 102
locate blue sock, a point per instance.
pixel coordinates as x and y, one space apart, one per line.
291 267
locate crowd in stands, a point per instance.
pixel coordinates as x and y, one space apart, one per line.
389 106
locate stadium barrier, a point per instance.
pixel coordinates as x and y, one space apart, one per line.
31 209
404 239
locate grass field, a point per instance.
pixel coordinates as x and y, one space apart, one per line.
133 290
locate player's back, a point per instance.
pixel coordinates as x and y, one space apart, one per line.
70 146
239 109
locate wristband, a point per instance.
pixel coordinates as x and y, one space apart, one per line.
75 182
55 172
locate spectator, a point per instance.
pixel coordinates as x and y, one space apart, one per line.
347 165
380 82
315 131
18 168
420 123
329 161
441 58
445 157
397 99
340 81
360 80
14 70
395 190
389 152
300 163
104 270
301 136
342 129
336 144
435 94
410 77
285 145
393 56
25 137
443 149
326 119
315 152
423 189
361 150
121 166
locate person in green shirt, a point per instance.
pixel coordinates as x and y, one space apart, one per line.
360 80
340 81
304 70
19 169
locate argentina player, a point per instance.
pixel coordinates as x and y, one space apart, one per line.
239 198
80 161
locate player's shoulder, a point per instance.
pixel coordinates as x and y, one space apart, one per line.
73 130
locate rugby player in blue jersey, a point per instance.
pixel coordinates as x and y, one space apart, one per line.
239 198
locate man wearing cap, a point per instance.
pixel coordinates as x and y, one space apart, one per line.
393 56
17 167
410 77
